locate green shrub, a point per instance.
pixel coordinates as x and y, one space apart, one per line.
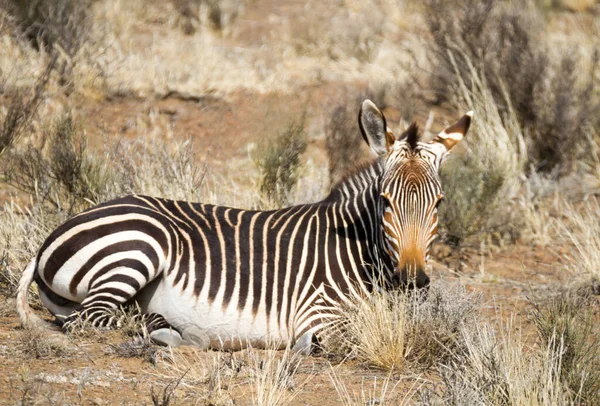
278 161
59 170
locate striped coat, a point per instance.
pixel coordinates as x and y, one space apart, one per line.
222 277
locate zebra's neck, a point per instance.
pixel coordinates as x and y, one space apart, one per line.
358 198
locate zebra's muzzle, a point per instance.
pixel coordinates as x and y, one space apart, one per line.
416 280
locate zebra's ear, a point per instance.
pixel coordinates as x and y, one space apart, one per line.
374 128
455 133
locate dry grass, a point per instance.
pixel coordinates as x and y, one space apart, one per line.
273 377
491 194
567 327
376 330
404 331
496 368
268 375
380 392
580 227
36 342
22 232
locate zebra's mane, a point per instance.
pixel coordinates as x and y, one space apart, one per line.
411 136
359 180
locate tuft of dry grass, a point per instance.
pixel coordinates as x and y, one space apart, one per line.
403 330
269 375
211 376
36 342
273 377
376 330
567 327
22 231
380 392
580 227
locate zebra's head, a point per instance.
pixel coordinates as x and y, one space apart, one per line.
410 190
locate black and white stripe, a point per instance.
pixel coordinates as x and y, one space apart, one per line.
224 277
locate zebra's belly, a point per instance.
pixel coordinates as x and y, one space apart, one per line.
226 327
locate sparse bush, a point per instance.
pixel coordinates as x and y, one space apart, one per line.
553 101
278 162
60 27
481 184
59 171
503 40
21 111
567 106
156 168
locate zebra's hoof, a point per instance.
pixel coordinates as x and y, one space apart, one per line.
196 337
166 337
304 344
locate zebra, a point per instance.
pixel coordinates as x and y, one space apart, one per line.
226 278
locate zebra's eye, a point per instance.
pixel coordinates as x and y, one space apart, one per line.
387 199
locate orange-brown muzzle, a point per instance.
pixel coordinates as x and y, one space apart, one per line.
411 269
